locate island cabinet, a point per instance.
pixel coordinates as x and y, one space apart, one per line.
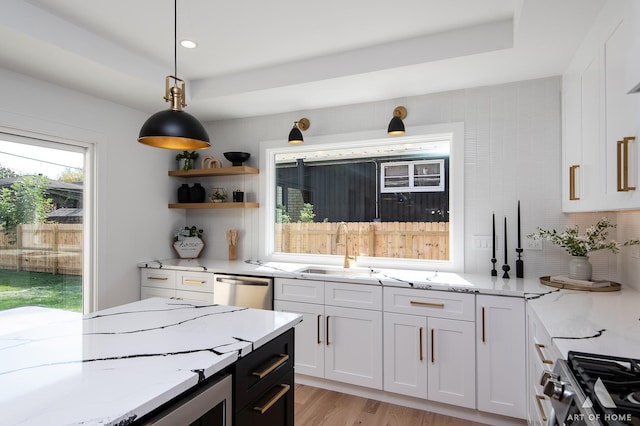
429 349
340 337
181 285
263 384
501 355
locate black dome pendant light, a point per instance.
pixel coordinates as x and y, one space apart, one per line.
174 128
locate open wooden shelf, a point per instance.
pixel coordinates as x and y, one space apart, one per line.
214 206
219 171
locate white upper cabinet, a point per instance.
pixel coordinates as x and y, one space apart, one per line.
600 117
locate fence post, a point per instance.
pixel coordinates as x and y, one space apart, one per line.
55 249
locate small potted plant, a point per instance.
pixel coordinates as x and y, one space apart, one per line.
186 159
188 242
218 195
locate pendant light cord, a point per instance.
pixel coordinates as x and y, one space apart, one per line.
175 38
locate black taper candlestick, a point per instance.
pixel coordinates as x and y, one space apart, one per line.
519 250
494 272
519 264
505 267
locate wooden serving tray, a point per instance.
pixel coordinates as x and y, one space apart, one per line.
547 281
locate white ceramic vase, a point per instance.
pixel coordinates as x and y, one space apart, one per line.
580 268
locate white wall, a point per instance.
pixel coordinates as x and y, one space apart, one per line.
134 223
512 152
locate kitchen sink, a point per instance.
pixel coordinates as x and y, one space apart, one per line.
349 272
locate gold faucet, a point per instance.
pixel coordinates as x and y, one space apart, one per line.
343 226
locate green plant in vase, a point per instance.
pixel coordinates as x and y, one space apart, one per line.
187 158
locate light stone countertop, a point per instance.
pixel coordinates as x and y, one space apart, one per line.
116 365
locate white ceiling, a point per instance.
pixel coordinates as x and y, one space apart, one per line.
264 57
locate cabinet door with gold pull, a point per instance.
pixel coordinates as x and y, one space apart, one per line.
405 354
451 362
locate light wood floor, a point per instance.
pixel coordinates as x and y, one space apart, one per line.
315 406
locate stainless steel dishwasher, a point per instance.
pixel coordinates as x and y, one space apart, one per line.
247 292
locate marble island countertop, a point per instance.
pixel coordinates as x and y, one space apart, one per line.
116 365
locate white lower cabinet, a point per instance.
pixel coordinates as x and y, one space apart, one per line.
430 358
182 285
501 355
426 356
309 340
335 342
542 356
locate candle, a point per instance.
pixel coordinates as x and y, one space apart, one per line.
493 236
505 241
519 242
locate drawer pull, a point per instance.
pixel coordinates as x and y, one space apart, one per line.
194 282
539 399
282 392
427 304
318 328
420 333
283 358
541 355
157 278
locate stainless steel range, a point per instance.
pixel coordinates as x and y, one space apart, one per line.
589 389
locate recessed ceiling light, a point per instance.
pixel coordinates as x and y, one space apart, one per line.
189 44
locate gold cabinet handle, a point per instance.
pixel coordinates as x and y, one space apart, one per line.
572 182
327 332
194 282
282 392
281 360
427 304
539 399
619 162
420 339
623 164
157 278
318 328
541 355
483 329
433 345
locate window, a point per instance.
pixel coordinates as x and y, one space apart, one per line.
42 199
400 197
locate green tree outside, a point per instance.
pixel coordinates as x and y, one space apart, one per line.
25 201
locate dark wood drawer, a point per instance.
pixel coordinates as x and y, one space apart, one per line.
274 408
259 371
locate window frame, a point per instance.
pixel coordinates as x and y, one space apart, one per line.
267 195
89 291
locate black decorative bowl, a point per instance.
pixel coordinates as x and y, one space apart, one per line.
237 158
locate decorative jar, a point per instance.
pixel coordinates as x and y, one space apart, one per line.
580 268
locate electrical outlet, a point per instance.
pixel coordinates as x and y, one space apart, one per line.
635 252
532 244
482 242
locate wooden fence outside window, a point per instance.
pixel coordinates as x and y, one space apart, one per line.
52 247
407 240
